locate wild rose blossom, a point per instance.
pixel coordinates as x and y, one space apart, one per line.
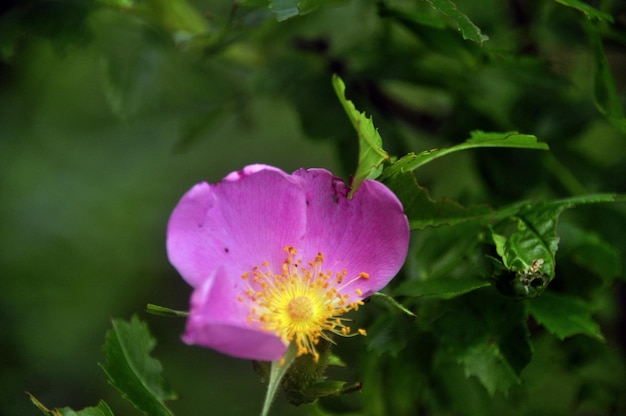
276 258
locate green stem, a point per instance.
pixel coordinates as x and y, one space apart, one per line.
277 371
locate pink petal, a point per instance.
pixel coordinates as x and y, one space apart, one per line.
238 223
217 320
368 233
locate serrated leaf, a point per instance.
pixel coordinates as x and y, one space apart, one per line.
423 211
486 333
589 11
529 250
486 362
564 316
477 139
433 31
371 153
463 24
388 336
441 287
102 409
535 238
132 370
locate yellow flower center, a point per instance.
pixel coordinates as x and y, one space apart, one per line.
301 303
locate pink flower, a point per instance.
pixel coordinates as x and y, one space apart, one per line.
276 258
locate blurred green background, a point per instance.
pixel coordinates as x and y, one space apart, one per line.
108 115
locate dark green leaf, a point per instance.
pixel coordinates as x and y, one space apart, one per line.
490 366
564 316
590 251
477 139
486 333
528 244
132 370
606 97
389 336
589 11
463 24
441 287
432 29
423 211
371 153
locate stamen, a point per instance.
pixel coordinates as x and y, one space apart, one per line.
301 304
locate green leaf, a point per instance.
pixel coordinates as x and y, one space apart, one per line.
284 9
477 139
564 316
463 24
432 30
590 251
386 336
490 366
528 242
441 287
484 332
423 211
132 370
371 153
606 97
102 409
589 11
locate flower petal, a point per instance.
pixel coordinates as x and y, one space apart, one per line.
217 320
246 219
368 233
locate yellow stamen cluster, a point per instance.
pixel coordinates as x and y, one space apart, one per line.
301 301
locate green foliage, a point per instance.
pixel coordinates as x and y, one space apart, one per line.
132 370
423 211
528 252
564 316
509 298
371 153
